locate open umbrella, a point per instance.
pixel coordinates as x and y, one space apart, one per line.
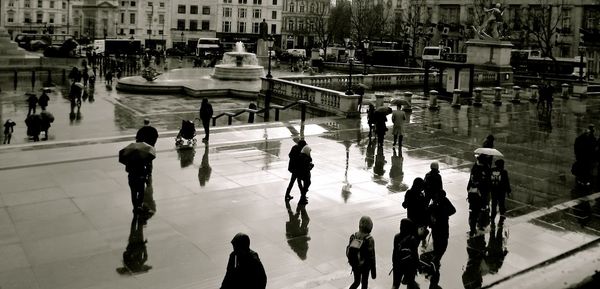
79 84
384 109
136 152
47 116
489 152
399 101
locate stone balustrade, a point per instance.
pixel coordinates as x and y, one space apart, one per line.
320 98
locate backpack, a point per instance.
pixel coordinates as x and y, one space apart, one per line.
403 256
356 250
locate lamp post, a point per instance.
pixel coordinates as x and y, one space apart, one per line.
270 42
325 45
581 54
366 43
350 49
182 42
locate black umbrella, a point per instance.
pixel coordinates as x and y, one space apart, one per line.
137 152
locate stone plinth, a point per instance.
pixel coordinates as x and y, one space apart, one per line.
492 55
9 49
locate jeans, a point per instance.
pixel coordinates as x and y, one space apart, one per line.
361 275
137 186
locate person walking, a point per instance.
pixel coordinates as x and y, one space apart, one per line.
380 124
405 256
294 155
305 165
108 77
488 143
9 129
206 113
398 118
416 204
32 101
440 211
500 189
244 268
139 174
477 188
433 181
147 134
44 99
361 254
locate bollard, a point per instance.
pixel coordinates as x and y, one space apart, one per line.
534 93
516 94
15 79
478 97
565 91
64 76
229 119
433 100
276 114
456 98
408 99
302 111
32 79
497 95
49 79
214 119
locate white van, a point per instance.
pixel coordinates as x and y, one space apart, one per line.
434 52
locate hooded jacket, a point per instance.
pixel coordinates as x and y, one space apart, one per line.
244 269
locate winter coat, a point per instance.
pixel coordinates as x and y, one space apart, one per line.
294 155
406 239
244 268
503 186
147 134
304 166
398 118
433 183
44 99
369 257
206 111
440 211
416 203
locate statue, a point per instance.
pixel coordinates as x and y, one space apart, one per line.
264 34
493 20
149 73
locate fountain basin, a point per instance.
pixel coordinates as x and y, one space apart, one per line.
234 72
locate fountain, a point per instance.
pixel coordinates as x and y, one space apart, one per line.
238 65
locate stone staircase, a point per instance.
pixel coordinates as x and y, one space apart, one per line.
8 48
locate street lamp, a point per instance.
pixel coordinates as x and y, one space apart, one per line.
270 42
366 43
182 42
581 54
350 49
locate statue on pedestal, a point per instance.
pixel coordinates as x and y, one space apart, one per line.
264 34
493 21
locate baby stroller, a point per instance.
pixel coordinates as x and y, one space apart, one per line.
186 138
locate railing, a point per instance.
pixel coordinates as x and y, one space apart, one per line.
253 111
373 81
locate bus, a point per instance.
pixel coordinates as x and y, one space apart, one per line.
30 41
434 52
525 63
208 46
117 46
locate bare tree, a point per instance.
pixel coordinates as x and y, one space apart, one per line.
371 20
338 25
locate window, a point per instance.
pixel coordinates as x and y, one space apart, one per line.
11 4
300 25
149 19
256 13
273 14
566 20
51 4
63 18
161 5
255 27
161 18
39 17
205 25
449 14
242 1
301 8
131 31
290 25
227 1
180 24
242 13
121 31
27 17
193 25
226 26
64 5
241 27
226 11
161 32
11 18
122 18
123 3
132 3
312 8
194 9
51 18
205 10
181 9
150 4
274 2
27 4
273 28
149 32
292 7
132 18
40 4
257 2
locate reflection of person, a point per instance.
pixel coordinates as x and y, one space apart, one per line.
379 162
294 155
396 172
472 276
136 254
296 229
186 156
370 154
9 129
361 271
206 113
496 250
405 257
244 268
205 169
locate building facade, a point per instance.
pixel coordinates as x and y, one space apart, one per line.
35 16
190 20
304 23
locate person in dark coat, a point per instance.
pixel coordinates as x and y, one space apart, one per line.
440 211
244 268
147 134
206 113
380 124
34 126
305 165
477 188
45 123
294 155
433 181
416 204
75 75
371 119
405 256
44 99
488 143
585 150
32 101
139 174
500 189
361 272
9 129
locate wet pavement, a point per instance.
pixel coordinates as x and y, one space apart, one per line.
66 212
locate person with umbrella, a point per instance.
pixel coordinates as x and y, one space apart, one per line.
398 118
34 126
137 158
8 130
44 99
380 126
46 119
